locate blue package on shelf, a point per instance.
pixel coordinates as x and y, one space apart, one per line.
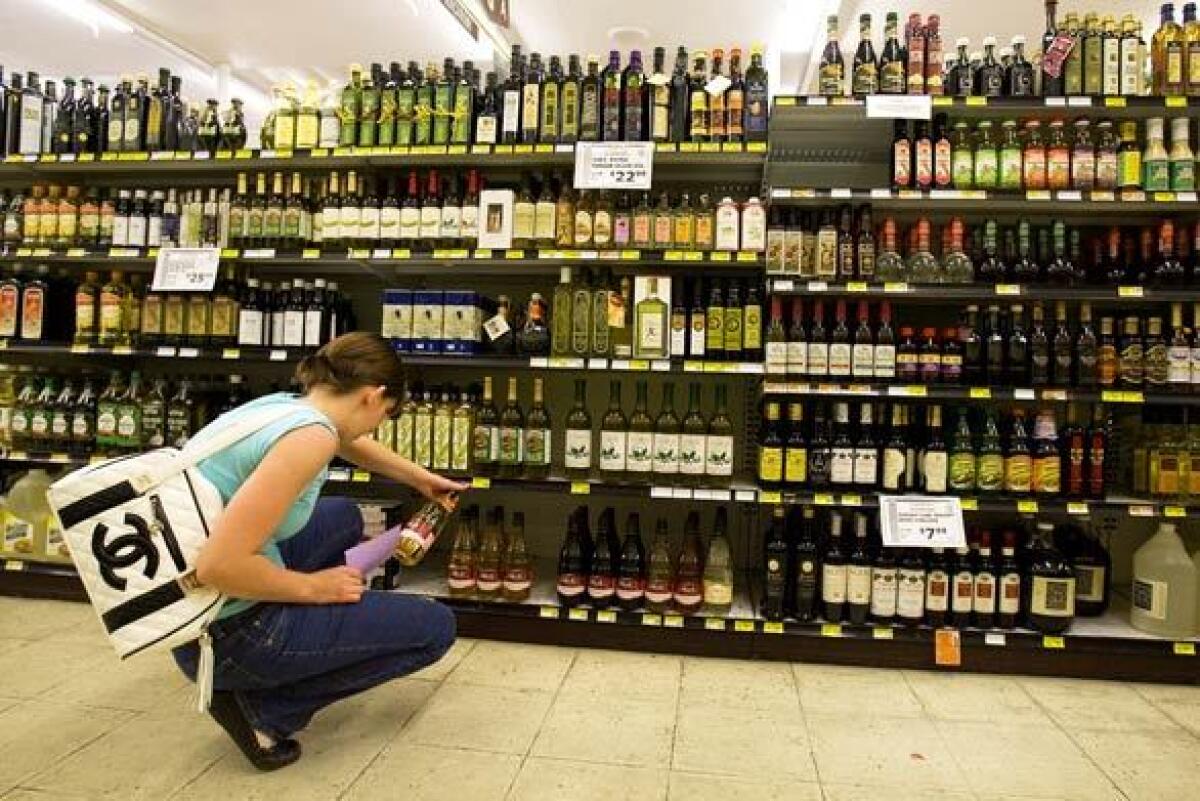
428 316
397 321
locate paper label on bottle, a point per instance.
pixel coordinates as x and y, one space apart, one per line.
883 592
863 361
1150 597
818 359
666 454
639 451
718 455
578 453
692 454
858 584
1055 597
833 584
612 451
777 358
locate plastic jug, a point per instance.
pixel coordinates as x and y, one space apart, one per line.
1164 586
27 500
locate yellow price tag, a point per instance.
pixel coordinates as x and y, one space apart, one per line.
673 255
785 101
770 497
665 147
630 255
481 482
522 149
673 621
1174 511
650 619
550 612
581 488
714 623
639 364
1008 289
773 627
710 147
882 633
456 150
76 253
80 349
1129 292
969 504
1176 102
1114 102
916 391
1054 643
831 630
229 253
310 253
747 257
743 626
895 286
228 353
975 100
580 615
1077 508
360 476
401 254
1184 649
720 255
851 500
756 147
856 286
980 393
1027 507
606 616
122 350
823 499
943 100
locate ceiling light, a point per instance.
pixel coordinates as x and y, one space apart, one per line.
91 15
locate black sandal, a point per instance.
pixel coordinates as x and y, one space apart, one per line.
226 711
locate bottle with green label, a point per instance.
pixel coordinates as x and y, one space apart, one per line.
129 416
106 414
1156 163
962 156
1010 156
962 456
350 108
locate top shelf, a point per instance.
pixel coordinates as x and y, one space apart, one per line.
734 160
787 107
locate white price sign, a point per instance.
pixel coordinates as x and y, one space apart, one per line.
921 522
186 269
900 107
613 165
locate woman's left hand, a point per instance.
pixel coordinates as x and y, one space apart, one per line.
441 489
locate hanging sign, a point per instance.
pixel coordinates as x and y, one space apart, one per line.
908 521
186 269
613 165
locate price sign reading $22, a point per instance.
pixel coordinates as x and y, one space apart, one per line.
921 522
614 165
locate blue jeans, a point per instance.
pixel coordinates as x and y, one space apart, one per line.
285 661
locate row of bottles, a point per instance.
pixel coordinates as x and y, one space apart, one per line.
87 416
817 246
1035 154
491 561
133 117
819 567
913 450
1087 54
997 348
540 101
602 571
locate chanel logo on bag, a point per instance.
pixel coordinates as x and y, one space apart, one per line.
124 551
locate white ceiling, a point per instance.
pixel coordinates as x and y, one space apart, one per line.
267 41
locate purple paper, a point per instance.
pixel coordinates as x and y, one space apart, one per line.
366 556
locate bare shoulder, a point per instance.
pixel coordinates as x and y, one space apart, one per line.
310 443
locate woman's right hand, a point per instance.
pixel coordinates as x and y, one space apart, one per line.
336 585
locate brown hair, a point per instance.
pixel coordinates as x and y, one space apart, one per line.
352 361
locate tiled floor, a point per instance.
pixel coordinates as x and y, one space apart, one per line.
500 721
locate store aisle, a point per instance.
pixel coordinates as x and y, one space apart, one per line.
503 721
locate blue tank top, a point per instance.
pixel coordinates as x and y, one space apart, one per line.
230 468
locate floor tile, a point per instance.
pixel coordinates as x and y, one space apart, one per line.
36 734
554 780
33 619
632 732
832 689
1024 760
1146 765
746 742
149 757
738 684
24 794
882 751
513 666
422 773
39 666
147 683
1101 705
969 696
444 666
11 644
482 718
341 742
706 787
607 674
854 792
1178 702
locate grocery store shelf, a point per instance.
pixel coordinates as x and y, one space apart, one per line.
1063 202
788 108
935 393
731 158
937 293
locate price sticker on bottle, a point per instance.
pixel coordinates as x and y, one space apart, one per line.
186 269
921 522
614 165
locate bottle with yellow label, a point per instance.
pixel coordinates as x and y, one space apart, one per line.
770 448
795 452
1018 461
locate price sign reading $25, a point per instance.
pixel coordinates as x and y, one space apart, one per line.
613 165
921 522
186 269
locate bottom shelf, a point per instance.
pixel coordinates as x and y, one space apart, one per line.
1106 647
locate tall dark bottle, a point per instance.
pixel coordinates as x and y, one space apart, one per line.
610 98
833 573
631 573
633 99
602 577
806 568
679 97
1053 83
572 563
775 553
864 79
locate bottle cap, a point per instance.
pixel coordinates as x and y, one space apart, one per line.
962 42
1018 41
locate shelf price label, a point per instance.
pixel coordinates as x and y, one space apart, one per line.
743 626
550 612
186 269
1054 643
673 621
580 615
614 165
921 522
714 623
772 627
831 629
606 616
1184 649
